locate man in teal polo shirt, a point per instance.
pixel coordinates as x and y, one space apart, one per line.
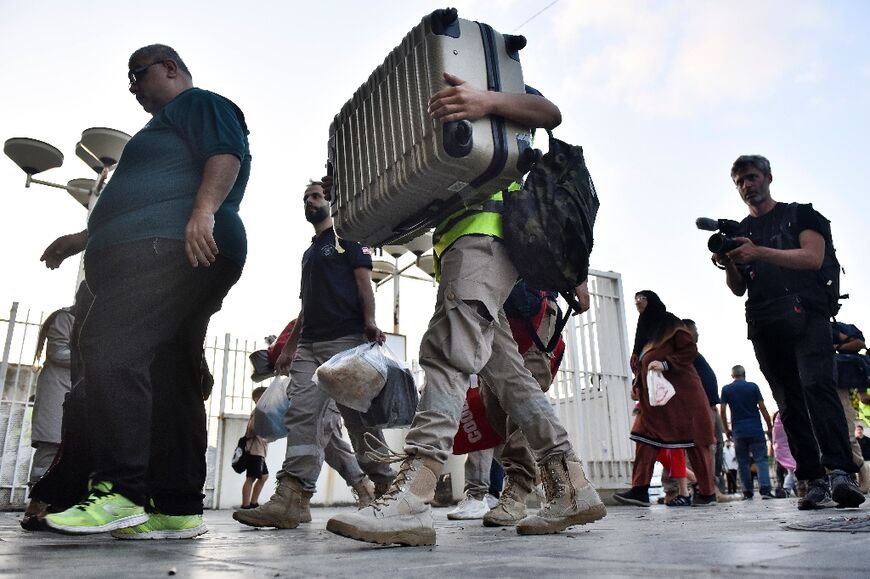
164 246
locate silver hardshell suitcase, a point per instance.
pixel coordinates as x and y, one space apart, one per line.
396 171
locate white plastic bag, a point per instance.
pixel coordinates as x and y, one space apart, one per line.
270 411
660 389
354 377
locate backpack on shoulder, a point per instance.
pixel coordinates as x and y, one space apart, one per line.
548 223
829 273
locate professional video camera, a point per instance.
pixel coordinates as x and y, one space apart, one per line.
723 241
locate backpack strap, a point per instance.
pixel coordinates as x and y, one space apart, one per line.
561 322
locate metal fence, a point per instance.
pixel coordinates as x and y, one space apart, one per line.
590 394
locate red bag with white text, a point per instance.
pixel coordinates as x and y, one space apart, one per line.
475 432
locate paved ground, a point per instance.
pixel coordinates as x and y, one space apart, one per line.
733 539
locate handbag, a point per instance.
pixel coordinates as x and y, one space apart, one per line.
239 461
475 432
659 388
783 317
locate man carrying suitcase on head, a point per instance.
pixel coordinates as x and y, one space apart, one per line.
469 334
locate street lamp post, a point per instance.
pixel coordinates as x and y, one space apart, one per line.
385 271
100 148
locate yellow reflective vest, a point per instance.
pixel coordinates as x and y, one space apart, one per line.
481 219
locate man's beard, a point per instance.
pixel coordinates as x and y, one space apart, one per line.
317 215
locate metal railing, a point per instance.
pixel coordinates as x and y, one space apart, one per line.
590 393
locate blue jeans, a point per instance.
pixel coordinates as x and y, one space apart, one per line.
744 446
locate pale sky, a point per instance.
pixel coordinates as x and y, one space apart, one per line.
663 96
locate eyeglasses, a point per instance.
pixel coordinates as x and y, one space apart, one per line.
138 74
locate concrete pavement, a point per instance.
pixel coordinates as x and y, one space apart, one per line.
744 539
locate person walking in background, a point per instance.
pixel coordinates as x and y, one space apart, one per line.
848 342
711 389
745 401
782 454
730 464
53 383
663 343
256 472
864 444
338 314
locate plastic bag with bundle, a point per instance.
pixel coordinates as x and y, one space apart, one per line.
353 378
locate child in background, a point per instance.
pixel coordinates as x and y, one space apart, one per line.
256 473
782 455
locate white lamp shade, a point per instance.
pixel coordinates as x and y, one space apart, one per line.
396 251
420 245
80 189
105 144
31 155
427 264
89 159
382 269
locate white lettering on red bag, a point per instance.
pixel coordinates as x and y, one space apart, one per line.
469 425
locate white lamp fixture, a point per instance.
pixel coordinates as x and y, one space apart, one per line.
31 155
427 264
396 251
381 270
420 245
100 148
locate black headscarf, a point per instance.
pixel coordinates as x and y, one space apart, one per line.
653 323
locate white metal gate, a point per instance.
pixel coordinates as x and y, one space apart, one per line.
590 395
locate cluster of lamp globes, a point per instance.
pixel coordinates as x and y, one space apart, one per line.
100 148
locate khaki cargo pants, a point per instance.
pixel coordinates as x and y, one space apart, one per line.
515 456
469 334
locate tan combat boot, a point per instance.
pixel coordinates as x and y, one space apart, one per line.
288 507
571 499
511 506
364 491
401 515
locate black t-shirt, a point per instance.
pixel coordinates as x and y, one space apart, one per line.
777 229
331 306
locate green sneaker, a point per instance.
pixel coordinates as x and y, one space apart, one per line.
164 527
102 511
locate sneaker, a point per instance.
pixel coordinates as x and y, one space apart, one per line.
680 501
102 511
700 500
469 508
844 491
635 496
818 496
164 527
490 500
767 495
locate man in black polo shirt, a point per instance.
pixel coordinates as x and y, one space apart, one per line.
778 263
338 313
711 389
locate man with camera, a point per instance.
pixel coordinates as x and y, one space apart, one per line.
779 261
